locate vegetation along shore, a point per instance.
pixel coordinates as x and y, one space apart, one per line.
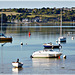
38 16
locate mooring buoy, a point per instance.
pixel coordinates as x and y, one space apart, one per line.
21 43
72 38
64 56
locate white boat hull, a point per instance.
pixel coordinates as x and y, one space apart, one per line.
15 64
46 54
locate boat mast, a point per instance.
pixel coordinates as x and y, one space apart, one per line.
1 21
61 24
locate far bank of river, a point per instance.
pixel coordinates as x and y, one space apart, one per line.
66 23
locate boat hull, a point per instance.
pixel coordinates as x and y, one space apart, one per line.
49 46
5 39
62 39
46 56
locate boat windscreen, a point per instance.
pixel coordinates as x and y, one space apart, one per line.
51 50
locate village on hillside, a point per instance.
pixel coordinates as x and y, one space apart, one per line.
42 15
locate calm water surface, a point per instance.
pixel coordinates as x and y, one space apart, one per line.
9 52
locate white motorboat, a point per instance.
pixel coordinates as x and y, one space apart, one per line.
17 64
46 54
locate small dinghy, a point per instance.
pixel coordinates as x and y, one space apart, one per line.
17 64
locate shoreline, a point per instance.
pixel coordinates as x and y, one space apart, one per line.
66 23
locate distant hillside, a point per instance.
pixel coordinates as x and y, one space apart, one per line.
39 15
10 13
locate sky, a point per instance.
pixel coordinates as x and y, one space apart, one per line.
36 4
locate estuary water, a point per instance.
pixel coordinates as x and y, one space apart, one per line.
10 51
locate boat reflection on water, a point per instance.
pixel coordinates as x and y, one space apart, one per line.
16 70
45 62
4 42
62 42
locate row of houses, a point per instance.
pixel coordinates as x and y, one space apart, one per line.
69 9
37 19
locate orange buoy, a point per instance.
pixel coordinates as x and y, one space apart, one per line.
29 33
59 57
64 56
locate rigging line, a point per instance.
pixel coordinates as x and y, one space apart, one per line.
61 24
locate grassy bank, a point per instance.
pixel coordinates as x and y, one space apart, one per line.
10 13
32 16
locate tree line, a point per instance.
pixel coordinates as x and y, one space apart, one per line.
68 14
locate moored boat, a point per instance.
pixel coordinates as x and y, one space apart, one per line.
50 45
17 64
4 38
62 39
46 54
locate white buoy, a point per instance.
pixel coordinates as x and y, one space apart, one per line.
64 56
56 41
72 38
21 43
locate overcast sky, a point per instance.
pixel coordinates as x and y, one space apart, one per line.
36 4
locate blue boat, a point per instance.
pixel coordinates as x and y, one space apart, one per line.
50 45
62 39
